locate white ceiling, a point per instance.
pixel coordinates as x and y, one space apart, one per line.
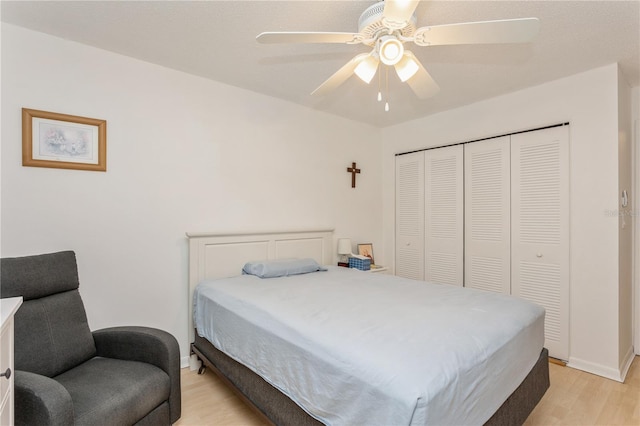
216 40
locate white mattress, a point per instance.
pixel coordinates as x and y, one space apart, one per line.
352 347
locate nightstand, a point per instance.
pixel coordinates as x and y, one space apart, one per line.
8 308
379 269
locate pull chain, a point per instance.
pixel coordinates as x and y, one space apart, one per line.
379 85
386 104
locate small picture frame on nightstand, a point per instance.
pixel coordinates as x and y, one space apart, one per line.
366 250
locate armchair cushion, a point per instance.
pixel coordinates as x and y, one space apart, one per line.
52 334
53 273
114 391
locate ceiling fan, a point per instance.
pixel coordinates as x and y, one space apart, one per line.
387 25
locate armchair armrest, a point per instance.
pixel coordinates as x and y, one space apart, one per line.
41 400
144 344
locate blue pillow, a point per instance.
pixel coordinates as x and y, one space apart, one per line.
281 267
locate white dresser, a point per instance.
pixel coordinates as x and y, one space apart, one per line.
8 308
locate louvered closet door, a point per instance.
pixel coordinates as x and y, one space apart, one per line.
444 215
487 262
540 234
410 216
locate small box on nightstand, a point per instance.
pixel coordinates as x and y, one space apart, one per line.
358 263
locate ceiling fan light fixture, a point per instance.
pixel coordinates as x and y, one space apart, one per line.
367 69
406 68
387 26
390 50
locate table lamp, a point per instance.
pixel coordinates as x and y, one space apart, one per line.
344 249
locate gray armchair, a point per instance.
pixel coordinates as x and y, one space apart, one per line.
66 374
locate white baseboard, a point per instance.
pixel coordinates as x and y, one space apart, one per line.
626 363
617 374
184 362
192 362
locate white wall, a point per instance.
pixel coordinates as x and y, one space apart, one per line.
589 101
185 154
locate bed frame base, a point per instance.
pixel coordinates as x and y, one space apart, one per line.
266 401
277 409
516 409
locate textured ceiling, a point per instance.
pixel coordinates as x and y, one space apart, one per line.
216 40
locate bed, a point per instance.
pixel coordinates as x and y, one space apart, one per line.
368 369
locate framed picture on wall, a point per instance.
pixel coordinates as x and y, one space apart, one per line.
366 250
63 141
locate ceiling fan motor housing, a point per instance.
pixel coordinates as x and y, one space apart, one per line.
370 24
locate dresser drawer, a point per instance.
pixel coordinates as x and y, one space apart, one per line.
5 411
6 353
8 308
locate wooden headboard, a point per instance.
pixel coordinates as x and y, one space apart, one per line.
214 255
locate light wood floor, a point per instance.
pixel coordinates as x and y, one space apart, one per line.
574 398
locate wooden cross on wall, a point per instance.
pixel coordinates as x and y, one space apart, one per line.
353 172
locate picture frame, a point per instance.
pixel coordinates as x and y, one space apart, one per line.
366 250
63 141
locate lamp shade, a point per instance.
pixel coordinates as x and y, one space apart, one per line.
406 68
367 69
344 246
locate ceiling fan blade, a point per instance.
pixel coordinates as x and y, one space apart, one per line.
309 37
397 13
504 31
422 83
339 76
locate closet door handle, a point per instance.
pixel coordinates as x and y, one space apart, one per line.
538 255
